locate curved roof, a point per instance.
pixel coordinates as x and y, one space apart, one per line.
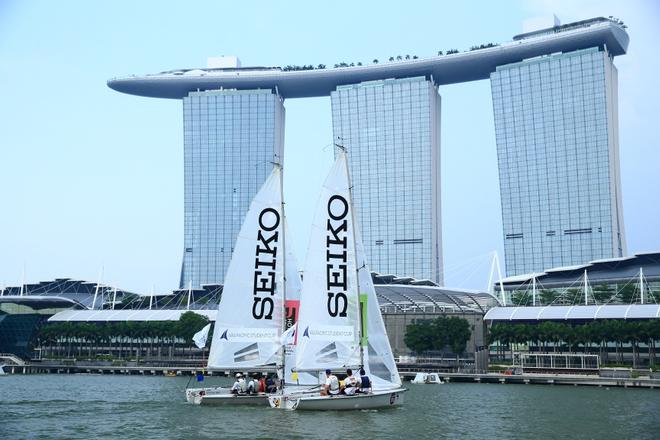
561 313
447 69
43 302
417 298
599 271
125 315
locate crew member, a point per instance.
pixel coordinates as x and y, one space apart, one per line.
239 387
331 386
365 382
350 383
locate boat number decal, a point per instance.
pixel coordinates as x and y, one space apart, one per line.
392 398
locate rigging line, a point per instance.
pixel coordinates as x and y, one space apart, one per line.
466 262
469 277
619 290
563 294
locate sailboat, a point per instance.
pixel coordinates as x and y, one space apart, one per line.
251 316
340 325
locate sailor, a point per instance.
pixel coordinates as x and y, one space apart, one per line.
253 385
271 386
239 387
350 383
365 382
262 384
331 386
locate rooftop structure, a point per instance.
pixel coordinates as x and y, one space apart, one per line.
573 313
447 69
611 270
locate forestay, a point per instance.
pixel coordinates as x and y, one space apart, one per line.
328 332
249 320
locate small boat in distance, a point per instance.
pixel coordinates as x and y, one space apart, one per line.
427 378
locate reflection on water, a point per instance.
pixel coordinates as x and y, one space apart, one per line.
136 407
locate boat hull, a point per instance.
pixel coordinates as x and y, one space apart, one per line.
234 400
194 395
374 400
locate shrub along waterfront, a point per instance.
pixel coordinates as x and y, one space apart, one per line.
595 337
435 335
121 340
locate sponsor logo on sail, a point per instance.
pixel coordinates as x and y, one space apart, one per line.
265 264
250 335
336 256
330 332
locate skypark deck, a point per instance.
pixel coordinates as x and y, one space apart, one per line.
446 69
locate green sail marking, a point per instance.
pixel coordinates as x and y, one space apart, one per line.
364 340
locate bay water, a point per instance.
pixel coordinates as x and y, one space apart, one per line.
146 407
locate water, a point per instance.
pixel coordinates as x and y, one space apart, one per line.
137 407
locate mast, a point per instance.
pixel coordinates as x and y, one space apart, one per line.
357 276
280 368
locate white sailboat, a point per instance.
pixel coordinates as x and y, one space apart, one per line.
250 318
340 325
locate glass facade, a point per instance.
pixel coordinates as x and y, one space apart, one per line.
231 139
557 147
391 130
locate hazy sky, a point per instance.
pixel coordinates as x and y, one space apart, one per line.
92 178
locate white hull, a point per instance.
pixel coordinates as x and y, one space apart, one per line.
316 402
234 399
2 370
194 395
427 379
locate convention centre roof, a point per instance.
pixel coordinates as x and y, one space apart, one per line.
445 69
582 313
599 271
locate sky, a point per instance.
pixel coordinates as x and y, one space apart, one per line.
91 180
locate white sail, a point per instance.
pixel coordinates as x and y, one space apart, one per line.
328 327
378 358
249 320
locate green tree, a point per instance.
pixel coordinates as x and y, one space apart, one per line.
419 337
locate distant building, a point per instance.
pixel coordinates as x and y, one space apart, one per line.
556 128
231 140
391 130
555 105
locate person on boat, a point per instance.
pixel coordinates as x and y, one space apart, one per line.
262 384
365 382
253 385
271 386
350 383
240 386
331 386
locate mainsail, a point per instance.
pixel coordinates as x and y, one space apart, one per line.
328 328
249 320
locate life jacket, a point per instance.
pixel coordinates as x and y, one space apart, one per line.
366 382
